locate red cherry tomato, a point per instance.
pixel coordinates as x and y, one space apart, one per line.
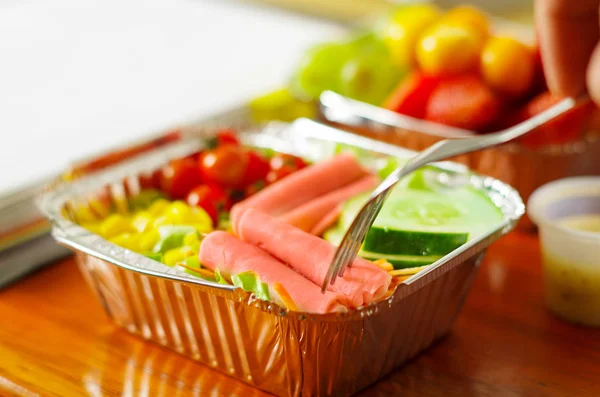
211 199
563 129
283 165
282 160
179 177
257 169
227 137
254 188
225 165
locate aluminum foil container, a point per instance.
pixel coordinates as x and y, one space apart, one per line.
258 342
523 168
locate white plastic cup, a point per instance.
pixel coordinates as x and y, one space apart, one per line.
571 257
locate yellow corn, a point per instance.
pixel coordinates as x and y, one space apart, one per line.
188 251
191 239
115 224
84 214
142 220
127 240
157 207
198 215
173 256
148 240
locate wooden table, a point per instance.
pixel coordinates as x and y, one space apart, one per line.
56 340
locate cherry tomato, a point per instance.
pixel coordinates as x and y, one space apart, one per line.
563 129
224 137
179 177
508 66
225 165
469 16
402 31
283 165
281 160
449 48
254 188
211 199
257 169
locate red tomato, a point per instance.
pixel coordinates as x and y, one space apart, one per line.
283 165
254 188
411 96
563 129
463 102
227 137
257 169
211 199
225 165
179 177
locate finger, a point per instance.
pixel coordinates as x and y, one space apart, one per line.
568 31
593 76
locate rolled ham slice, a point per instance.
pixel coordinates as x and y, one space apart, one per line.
302 186
320 213
310 256
223 251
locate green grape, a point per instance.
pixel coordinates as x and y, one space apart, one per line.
320 69
369 76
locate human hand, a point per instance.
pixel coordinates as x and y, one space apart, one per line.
569 33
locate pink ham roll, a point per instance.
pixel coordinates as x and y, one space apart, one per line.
320 213
221 250
310 256
302 186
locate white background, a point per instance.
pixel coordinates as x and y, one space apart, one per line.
79 76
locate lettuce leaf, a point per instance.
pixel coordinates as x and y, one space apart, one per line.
171 236
219 278
249 281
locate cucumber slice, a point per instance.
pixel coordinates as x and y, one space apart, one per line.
387 240
401 261
419 221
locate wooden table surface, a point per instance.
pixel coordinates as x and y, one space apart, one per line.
55 340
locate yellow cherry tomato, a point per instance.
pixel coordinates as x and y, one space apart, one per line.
115 224
508 66
401 33
466 15
191 239
449 48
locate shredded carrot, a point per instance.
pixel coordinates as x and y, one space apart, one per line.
285 297
204 272
407 272
383 264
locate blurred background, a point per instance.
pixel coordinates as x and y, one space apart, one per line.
80 76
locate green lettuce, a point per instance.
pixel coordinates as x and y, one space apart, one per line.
171 236
249 281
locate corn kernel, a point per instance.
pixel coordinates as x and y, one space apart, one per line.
199 215
188 252
127 240
158 206
202 227
191 239
142 221
115 224
84 214
93 227
148 240
179 208
173 256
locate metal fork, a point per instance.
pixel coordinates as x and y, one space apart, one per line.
355 235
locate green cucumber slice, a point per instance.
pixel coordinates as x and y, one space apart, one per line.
387 240
420 221
401 261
